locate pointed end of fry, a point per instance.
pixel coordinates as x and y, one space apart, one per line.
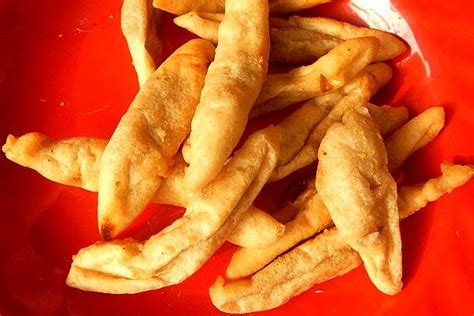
9 143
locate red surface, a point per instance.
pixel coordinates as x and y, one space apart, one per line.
65 71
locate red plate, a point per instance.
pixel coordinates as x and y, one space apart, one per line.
65 71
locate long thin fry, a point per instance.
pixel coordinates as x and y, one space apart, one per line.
75 161
299 40
232 85
415 134
277 7
322 258
139 22
174 254
142 147
328 73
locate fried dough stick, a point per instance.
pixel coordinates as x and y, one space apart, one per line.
299 40
141 149
328 73
324 257
277 7
361 196
139 22
169 257
75 161
231 87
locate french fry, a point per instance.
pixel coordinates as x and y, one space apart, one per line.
277 7
139 22
299 40
361 195
179 250
232 85
324 257
142 147
328 73
415 134
75 161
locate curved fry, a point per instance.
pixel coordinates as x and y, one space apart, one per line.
156 123
361 196
232 85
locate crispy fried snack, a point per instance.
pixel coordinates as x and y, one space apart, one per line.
179 250
139 21
297 126
417 133
141 150
328 73
277 7
322 258
361 195
299 40
75 161
387 119
232 85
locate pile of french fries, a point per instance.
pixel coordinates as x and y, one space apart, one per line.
175 145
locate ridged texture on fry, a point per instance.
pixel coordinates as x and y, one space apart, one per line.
142 147
328 73
415 134
361 195
75 161
232 85
322 258
139 22
174 254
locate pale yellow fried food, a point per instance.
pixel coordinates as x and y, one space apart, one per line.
361 195
390 45
256 229
75 161
324 257
297 126
328 73
184 6
139 22
179 250
232 85
387 119
141 149
299 40
277 7
415 134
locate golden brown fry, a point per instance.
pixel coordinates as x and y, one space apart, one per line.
361 195
139 22
390 45
256 229
299 40
142 147
417 133
179 250
232 85
324 257
185 6
75 161
388 118
328 73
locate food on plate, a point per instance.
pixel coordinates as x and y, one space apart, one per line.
276 6
232 85
179 250
415 134
361 195
139 21
141 149
299 40
328 73
324 257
